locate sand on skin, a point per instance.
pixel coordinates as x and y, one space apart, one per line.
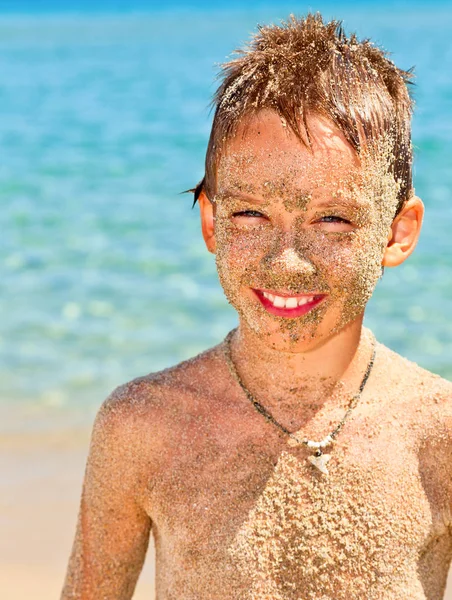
39 496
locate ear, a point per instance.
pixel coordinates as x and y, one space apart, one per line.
404 233
207 211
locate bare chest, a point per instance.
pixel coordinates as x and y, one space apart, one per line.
252 513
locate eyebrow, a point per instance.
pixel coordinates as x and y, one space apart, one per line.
341 202
228 193
333 203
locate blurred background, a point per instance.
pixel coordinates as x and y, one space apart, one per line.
104 120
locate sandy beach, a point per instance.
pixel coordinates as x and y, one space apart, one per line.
39 497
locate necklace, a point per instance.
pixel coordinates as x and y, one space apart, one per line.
318 459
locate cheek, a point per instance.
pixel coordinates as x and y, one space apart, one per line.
359 274
356 269
238 250
229 258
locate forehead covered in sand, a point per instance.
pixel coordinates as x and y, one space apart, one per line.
267 162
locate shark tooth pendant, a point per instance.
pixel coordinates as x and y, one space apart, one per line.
319 461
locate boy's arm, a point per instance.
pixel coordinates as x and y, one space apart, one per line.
113 528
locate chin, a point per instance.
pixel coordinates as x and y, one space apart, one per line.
284 335
297 335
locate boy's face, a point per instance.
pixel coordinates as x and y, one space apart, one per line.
299 234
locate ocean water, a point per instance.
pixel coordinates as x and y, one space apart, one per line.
104 121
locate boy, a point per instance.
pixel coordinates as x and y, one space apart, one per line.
298 459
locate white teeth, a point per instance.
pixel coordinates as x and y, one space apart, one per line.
285 302
305 300
291 303
279 302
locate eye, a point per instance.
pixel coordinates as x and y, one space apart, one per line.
334 224
334 219
249 213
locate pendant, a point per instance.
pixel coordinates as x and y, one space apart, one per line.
320 462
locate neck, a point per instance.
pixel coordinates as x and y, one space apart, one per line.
298 381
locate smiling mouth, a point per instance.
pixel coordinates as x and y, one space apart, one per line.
283 305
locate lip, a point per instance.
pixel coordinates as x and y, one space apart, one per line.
289 313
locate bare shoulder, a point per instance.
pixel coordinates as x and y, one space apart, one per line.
150 405
418 390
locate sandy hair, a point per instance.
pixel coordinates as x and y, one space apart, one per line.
307 66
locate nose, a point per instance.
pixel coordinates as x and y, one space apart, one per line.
289 260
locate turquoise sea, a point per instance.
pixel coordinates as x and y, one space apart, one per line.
103 121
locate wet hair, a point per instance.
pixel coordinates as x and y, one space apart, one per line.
307 66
